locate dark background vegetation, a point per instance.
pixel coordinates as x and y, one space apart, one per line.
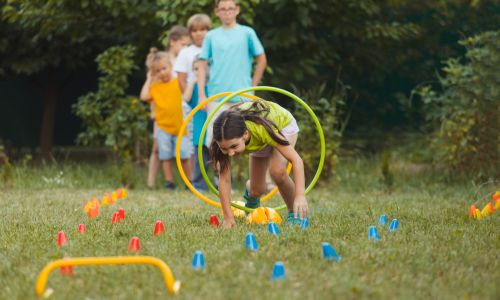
370 55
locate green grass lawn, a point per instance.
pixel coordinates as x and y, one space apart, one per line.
437 252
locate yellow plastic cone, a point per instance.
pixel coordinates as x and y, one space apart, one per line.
478 214
486 210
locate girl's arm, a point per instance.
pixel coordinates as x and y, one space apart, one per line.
188 92
145 95
225 197
300 202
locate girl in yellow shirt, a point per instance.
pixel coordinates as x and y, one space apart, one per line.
268 132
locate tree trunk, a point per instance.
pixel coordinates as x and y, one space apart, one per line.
49 109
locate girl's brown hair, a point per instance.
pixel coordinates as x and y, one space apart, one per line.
176 33
230 124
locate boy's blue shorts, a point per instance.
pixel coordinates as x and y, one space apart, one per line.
166 146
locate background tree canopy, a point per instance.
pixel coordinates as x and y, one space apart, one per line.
378 50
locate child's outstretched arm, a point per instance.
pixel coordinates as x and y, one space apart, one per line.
300 202
225 197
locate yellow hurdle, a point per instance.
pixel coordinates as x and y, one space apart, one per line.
172 285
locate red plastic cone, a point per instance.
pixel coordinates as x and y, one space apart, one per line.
115 218
214 221
159 228
121 213
81 228
66 270
61 239
134 245
472 211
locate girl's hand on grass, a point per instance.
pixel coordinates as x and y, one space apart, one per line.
228 224
300 207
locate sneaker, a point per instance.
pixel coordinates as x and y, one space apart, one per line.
169 185
251 202
291 220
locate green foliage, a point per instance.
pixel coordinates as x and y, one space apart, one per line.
328 108
467 110
111 117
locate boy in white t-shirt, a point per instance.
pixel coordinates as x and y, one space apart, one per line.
198 26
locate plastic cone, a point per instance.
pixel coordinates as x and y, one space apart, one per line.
159 228
214 221
61 239
251 242
93 212
382 220
486 211
278 271
198 261
479 216
394 225
329 253
134 245
273 228
114 197
373 233
121 213
115 218
496 196
105 201
472 211
66 270
304 223
81 228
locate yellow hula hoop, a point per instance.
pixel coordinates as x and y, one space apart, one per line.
178 152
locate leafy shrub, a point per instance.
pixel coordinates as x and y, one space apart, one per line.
466 112
111 117
327 107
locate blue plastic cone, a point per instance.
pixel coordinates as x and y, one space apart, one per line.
304 223
373 233
382 220
394 225
251 242
273 228
329 253
198 261
278 271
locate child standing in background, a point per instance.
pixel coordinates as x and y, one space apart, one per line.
191 96
230 50
185 66
178 38
162 89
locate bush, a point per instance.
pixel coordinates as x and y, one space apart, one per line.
111 117
465 114
327 107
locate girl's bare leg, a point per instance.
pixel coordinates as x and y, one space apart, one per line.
154 165
277 169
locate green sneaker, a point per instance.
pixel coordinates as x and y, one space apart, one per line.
291 220
251 202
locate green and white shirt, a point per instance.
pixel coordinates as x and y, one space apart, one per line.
259 137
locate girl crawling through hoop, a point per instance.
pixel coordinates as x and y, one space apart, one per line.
268 132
